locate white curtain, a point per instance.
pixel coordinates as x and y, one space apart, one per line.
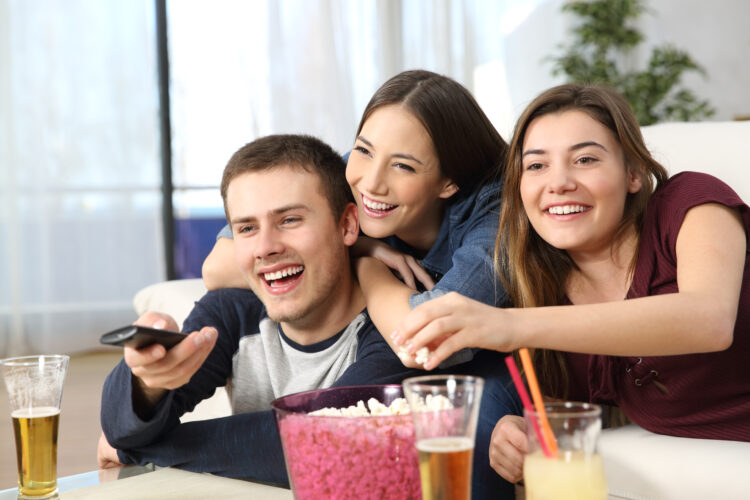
80 228
243 69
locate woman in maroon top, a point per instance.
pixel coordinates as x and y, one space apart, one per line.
632 289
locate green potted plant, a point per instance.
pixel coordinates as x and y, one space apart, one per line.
602 39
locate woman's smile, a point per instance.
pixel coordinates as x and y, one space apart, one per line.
396 180
376 209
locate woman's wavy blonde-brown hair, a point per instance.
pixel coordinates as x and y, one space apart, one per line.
533 271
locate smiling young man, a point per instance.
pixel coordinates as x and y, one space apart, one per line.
302 325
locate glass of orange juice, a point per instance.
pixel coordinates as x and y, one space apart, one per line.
576 472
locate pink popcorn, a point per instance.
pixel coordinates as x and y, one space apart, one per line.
351 458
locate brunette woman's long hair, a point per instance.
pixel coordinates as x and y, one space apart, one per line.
534 272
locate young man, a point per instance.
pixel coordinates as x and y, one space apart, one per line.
302 326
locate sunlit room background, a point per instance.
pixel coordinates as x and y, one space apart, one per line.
111 151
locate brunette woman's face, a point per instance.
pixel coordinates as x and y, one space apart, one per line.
395 177
574 182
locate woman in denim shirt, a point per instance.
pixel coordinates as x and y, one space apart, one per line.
424 172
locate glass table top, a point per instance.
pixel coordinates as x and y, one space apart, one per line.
76 481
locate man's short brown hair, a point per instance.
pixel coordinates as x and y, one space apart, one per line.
298 151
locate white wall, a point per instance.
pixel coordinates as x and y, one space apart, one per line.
716 34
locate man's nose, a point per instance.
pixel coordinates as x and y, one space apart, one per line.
268 243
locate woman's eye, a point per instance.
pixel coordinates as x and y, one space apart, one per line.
586 160
361 149
534 166
404 166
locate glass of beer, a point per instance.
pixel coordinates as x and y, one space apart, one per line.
577 471
34 385
444 409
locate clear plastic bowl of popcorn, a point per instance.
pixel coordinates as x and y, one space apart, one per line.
348 457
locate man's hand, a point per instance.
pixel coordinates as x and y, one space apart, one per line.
157 369
106 456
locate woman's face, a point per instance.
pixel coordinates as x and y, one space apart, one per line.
574 182
395 177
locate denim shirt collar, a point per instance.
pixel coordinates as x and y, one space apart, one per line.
460 216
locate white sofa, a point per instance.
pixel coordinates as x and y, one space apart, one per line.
639 464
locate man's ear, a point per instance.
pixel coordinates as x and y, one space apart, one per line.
449 189
349 224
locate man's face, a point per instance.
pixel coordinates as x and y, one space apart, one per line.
288 244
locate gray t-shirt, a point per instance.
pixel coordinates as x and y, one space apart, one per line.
268 365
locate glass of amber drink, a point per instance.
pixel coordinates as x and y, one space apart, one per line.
34 385
444 409
575 471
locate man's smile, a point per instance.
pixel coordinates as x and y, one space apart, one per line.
283 279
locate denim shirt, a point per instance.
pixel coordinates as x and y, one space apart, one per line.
460 260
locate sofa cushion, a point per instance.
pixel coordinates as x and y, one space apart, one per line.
716 148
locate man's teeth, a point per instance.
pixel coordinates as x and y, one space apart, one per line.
567 209
283 273
376 205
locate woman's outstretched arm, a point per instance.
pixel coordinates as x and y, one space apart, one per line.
711 250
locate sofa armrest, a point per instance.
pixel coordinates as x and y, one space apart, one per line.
642 465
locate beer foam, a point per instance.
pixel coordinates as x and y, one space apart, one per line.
445 444
41 411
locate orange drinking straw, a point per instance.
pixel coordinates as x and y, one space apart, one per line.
513 369
537 395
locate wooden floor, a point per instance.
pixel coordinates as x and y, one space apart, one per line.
79 418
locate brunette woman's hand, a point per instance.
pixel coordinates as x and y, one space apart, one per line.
405 265
508 446
452 322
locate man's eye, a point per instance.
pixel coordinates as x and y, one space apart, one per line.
245 229
291 220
